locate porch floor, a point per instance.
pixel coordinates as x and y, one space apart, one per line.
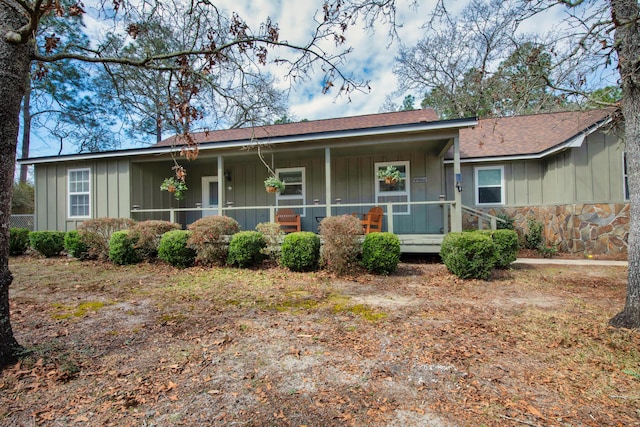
420 243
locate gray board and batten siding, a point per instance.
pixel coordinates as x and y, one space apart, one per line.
352 180
118 184
590 173
109 192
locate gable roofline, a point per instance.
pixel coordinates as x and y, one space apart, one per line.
574 142
541 131
408 126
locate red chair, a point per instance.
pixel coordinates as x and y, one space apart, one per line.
372 221
289 221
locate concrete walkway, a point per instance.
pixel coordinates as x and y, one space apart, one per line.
564 261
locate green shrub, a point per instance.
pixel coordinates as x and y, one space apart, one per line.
209 238
548 251
506 242
173 249
533 239
97 232
273 235
341 242
75 245
147 235
47 243
245 249
121 248
469 255
300 251
381 252
18 241
506 223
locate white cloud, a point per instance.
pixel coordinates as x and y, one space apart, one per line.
372 58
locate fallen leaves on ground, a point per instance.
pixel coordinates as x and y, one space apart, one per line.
271 347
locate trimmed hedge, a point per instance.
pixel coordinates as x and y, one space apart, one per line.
273 234
47 243
507 245
147 235
18 241
341 242
209 238
300 251
381 252
173 249
469 255
122 248
75 245
245 249
97 232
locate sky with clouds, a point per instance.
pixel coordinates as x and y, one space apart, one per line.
373 54
372 58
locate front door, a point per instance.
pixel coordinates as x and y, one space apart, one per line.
209 195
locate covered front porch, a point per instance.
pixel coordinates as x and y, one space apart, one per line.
325 178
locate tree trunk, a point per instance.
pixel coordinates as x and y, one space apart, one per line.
26 129
627 44
14 68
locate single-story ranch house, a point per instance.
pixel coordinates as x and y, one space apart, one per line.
567 169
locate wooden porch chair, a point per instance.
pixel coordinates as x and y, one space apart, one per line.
372 221
289 221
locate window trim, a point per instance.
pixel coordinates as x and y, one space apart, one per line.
300 197
625 178
78 193
407 183
477 185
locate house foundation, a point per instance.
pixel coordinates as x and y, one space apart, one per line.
589 229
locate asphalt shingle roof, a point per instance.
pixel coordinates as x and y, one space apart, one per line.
495 137
522 135
369 121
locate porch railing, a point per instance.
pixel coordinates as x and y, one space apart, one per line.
482 217
446 206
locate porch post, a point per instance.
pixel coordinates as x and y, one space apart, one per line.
221 192
327 180
456 212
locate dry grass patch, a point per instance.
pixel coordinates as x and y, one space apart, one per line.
271 347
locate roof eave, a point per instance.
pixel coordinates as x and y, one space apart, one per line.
573 142
205 146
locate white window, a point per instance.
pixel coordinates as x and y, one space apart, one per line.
79 181
399 191
294 187
625 176
490 185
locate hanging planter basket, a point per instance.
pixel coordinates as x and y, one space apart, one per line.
273 185
391 175
175 187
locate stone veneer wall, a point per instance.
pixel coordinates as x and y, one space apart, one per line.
596 229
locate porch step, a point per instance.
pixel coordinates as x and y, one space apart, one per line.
420 243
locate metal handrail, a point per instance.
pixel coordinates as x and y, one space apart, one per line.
493 220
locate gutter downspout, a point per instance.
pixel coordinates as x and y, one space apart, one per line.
456 213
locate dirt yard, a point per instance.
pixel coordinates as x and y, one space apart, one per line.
149 345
